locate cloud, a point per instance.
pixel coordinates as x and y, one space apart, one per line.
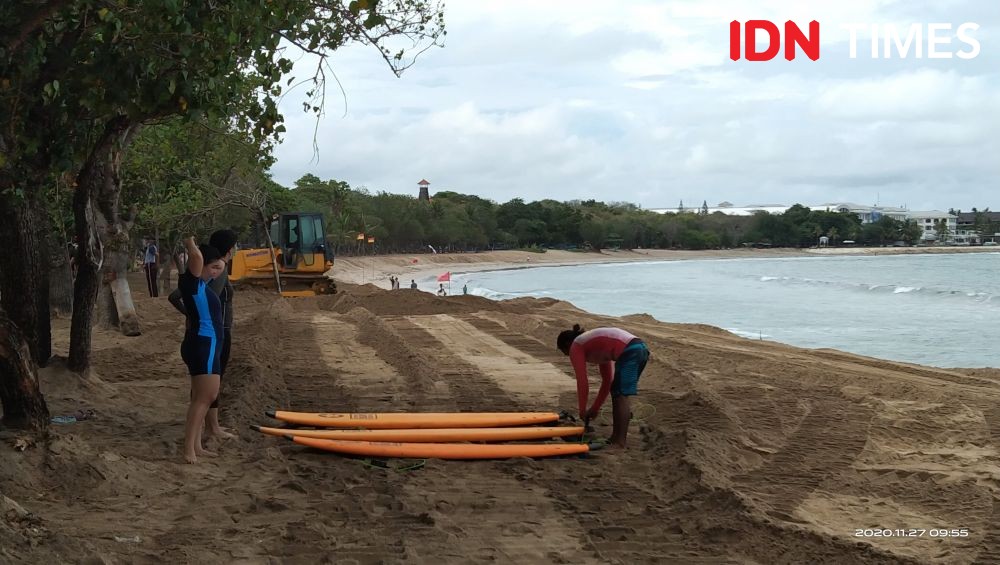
638 101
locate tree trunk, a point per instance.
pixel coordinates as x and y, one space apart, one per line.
270 248
24 275
114 299
60 279
103 237
168 261
22 401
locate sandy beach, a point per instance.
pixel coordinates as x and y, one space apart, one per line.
376 269
742 451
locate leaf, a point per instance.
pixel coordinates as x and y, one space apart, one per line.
103 14
172 86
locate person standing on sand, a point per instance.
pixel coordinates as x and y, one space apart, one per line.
465 288
150 254
621 357
200 349
413 284
442 291
224 241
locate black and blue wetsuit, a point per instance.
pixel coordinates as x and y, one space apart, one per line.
201 349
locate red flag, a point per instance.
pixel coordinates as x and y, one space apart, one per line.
445 277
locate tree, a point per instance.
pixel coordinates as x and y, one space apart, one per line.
140 64
593 232
941 230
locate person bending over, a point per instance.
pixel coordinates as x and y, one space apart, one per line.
621 357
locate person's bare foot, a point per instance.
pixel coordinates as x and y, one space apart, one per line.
221 433
190 458
206 453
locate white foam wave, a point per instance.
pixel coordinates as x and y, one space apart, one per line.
748 335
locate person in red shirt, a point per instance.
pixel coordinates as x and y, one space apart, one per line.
621 357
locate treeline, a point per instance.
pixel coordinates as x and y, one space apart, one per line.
184 176
452 221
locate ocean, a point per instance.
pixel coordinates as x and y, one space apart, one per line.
941 310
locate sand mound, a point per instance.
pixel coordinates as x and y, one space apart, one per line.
742 451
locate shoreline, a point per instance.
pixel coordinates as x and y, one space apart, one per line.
377 269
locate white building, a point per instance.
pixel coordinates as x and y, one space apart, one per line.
729 209
868 214
928 222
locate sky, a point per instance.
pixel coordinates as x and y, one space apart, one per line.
638 101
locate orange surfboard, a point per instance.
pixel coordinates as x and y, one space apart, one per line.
409 420
443 450
430 435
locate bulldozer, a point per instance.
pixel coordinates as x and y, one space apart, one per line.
301 257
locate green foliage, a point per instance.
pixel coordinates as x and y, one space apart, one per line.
68 68
801 227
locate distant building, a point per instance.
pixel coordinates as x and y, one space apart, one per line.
967 220
868 214
730 210
425 194
928 223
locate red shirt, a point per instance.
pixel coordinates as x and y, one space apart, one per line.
600 346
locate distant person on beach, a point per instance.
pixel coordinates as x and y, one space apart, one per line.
465 288
201 349
392 282
224 241
442 291
413 284
150 256
621 357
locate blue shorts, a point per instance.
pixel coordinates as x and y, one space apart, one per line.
628 368
202 355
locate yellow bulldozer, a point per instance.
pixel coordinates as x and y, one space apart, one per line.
296 259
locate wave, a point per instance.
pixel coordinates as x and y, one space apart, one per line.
978 296
748 335
494 294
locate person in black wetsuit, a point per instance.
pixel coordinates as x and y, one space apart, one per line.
225 242
201 348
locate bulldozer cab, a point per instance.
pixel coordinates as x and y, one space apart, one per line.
302 257
301 237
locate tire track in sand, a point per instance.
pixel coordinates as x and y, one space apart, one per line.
826 442
491 512
331 508
519 374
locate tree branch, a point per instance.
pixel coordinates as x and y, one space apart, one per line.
34 22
